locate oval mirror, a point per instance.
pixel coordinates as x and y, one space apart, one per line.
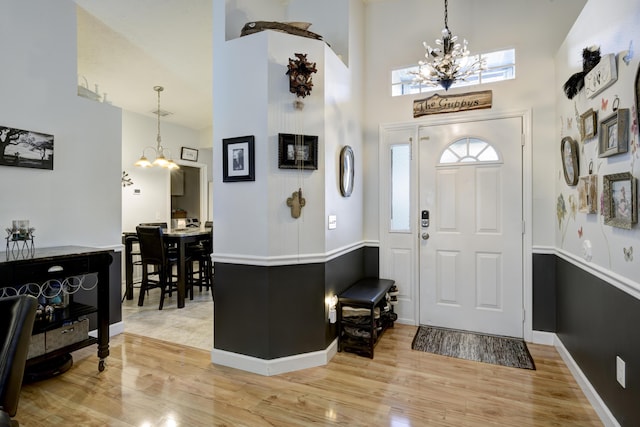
346 171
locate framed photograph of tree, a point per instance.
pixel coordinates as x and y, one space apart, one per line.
25 148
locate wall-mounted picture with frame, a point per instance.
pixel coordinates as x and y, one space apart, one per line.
238 159
588 194
297 151
619 191
614 133
588 124
569 152
25 148
637 94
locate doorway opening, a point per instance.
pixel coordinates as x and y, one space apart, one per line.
186 197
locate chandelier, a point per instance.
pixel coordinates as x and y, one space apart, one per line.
159 150
447 62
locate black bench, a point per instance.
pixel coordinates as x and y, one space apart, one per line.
360 334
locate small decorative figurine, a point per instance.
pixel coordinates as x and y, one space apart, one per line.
296 202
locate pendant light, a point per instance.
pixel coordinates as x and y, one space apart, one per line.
448 62
159 150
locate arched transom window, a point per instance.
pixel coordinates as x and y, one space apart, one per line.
469 150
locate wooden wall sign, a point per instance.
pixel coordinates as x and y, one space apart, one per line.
437 104
601 76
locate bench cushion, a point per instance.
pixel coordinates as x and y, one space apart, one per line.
368 291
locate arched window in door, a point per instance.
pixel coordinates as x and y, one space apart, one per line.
469 150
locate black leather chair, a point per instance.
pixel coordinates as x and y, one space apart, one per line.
17 315
154 224
157 263
201 252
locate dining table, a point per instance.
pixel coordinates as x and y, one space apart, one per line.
180 238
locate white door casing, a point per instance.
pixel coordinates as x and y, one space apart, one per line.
471 264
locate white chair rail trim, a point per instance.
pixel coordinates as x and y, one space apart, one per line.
291 259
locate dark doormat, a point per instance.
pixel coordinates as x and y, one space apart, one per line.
498 350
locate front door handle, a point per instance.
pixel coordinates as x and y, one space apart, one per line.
425 236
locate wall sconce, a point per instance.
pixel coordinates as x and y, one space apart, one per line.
332 302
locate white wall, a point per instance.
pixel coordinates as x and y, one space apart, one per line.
329 19
153 203
252 218
612 28
78 202
534 29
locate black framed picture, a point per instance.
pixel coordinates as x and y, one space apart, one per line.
25 148
190 154
238 159
297 151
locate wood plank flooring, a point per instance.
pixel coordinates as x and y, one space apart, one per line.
149 382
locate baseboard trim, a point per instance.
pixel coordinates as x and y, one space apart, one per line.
114 329
598 404
544 338
275 366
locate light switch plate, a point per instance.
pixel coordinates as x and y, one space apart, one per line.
333 222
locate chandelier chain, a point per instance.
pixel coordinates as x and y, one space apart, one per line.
158 89
446 14
448 61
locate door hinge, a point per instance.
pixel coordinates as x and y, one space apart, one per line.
522 139
524 315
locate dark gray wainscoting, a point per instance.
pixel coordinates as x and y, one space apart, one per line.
279 311
544 292
595 322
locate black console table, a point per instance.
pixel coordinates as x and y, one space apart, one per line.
32 271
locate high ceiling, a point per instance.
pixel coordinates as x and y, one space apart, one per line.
128 47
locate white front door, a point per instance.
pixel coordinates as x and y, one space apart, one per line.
471 252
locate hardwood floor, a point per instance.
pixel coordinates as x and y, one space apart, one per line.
149 382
